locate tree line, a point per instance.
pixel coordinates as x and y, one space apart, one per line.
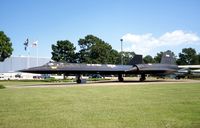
94 50
188 56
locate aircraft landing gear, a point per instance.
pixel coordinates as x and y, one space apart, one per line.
78 79
143 77
120 78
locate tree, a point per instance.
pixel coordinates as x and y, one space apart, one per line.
148 59
127 56
158 57
94 50
5 46
100 53
85 48
114 55
188 57
64 50
199 58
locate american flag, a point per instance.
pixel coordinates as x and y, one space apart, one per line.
26 44
34 44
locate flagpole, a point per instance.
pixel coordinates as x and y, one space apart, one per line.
28 57
37 53
28 63
26 48
35 44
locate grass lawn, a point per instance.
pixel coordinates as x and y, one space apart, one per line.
136 106
29 82
20 82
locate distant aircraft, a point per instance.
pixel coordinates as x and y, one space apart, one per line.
167 66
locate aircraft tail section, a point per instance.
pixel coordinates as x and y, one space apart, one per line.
137 59
168 58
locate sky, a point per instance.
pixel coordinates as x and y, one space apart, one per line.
146 26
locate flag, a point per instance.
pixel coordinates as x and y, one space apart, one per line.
34 44
26 44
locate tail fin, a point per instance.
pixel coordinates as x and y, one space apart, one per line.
137 59
168 58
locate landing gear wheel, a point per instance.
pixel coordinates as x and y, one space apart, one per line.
78 81
143 77
120 78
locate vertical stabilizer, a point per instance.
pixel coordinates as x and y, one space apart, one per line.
137 59
168 58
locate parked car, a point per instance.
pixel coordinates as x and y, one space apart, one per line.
95 76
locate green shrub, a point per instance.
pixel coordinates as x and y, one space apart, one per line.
2 87
51 79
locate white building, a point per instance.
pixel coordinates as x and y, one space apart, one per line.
9 68
13 64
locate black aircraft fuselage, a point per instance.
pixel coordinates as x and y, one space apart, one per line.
166 66
73 68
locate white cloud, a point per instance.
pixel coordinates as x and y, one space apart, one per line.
142 44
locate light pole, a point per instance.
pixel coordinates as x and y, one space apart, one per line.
121 51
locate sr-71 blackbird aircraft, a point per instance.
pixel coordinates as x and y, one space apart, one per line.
167 66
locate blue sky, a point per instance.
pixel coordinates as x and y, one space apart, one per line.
147 26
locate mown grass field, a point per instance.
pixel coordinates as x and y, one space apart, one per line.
30 82
138 106
21 83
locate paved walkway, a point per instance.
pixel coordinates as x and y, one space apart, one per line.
106 83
